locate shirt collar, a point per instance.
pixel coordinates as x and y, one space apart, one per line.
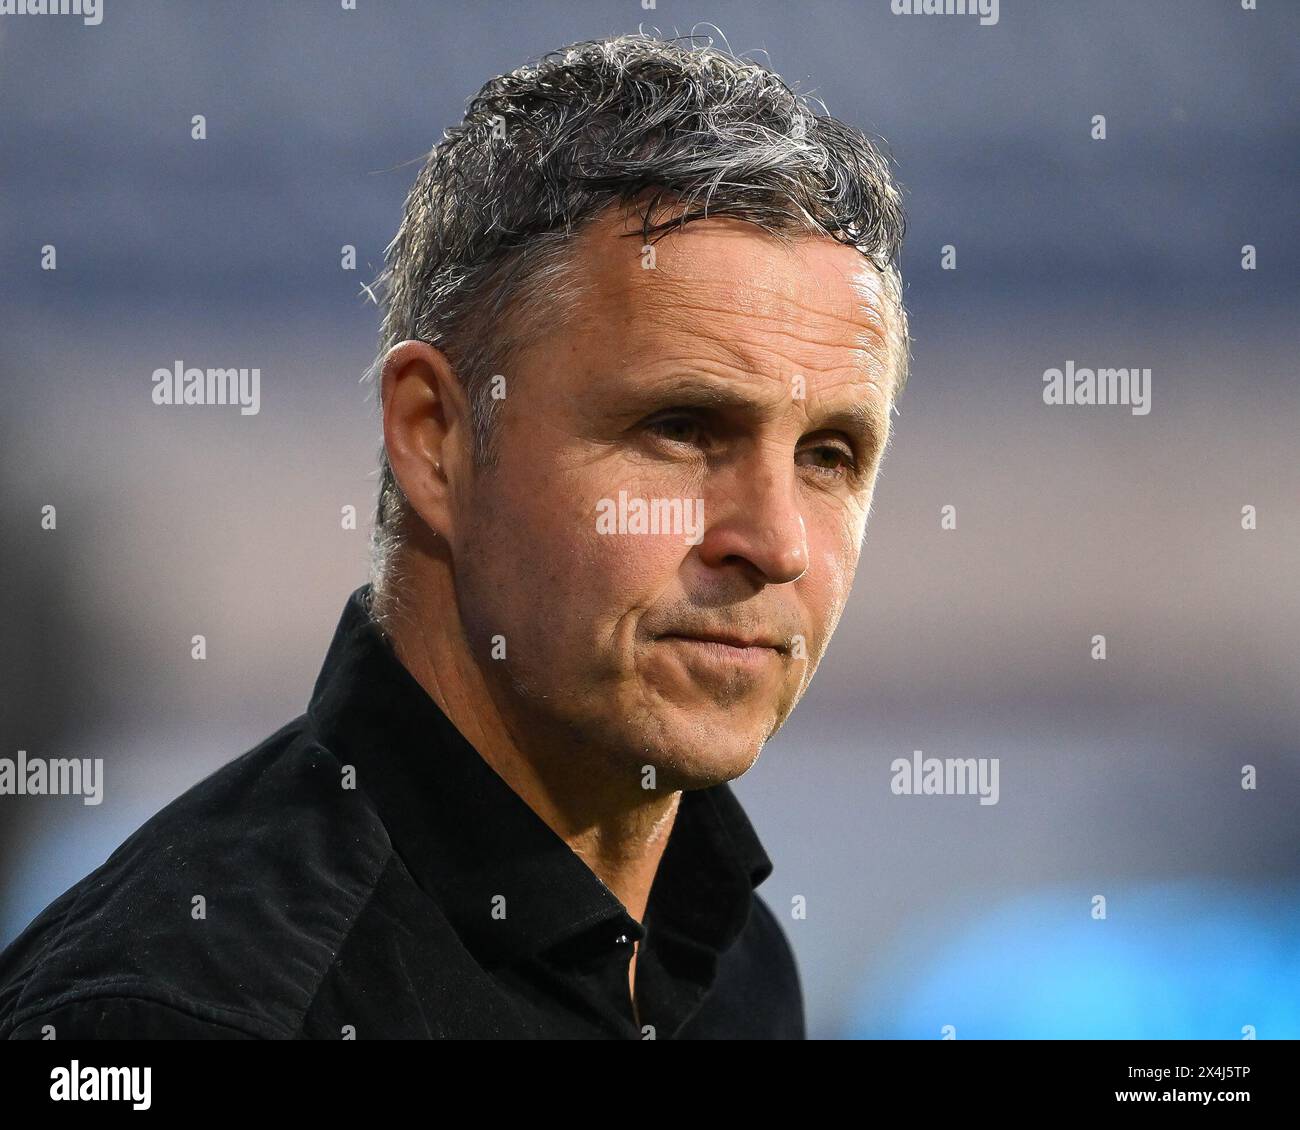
466 837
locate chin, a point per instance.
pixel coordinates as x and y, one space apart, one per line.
709 757
688 748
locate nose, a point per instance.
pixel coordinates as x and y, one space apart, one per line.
752 518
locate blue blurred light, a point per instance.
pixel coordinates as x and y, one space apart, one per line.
1191 959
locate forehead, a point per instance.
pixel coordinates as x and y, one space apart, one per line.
722 283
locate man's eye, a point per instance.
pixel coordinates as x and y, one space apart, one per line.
677 429
831 458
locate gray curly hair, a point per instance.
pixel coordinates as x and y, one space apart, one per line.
481 260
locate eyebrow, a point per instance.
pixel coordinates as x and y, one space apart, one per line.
858 417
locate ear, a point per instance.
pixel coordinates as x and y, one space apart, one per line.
426 430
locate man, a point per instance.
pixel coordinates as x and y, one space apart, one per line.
644 331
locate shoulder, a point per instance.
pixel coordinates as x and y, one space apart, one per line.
113 1017
220 915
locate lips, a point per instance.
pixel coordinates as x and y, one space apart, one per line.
728 639
714 660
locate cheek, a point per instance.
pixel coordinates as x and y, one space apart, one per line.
620 574
835 550
540 564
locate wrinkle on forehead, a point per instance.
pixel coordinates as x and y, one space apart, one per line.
735 284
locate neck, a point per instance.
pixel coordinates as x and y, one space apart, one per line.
618 830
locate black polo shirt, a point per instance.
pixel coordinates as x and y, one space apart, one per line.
364 873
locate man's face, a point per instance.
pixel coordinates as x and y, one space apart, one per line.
738 380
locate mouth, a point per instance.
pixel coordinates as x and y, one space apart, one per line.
725 648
